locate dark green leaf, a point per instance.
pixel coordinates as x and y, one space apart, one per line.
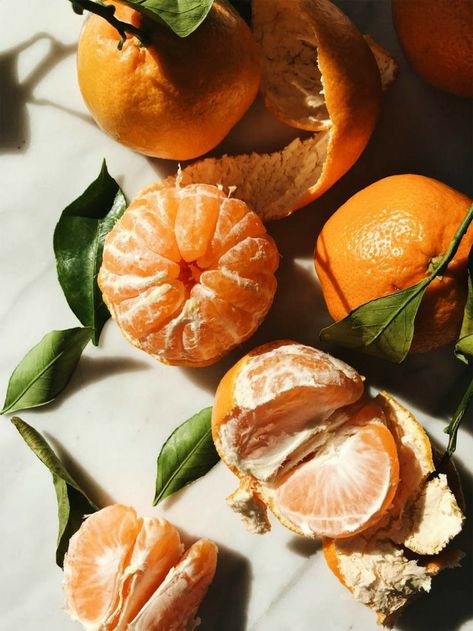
78 246
187 455
181 16
72 502
46 369
454 425
464 346
384 327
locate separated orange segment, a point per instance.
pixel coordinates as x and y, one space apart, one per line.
188 273
348 483
124 572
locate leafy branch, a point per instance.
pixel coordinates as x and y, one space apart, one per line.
107 12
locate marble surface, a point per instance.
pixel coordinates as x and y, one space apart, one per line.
121 405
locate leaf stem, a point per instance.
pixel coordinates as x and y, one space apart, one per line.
107 12
453 247
452 428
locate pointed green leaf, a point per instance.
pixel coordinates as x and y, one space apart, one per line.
181 16
46 369
72 503
78 245
187 455
464 346
384 327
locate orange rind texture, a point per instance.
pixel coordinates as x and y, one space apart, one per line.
386 238
173 98
124 572
389 564
335 92
188 273
291 422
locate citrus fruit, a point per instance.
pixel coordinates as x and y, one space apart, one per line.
175 97
120 566
437 38
188 273
291 422
387 237
318 74
386 566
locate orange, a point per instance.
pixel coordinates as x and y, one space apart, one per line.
119 566
320 75
290 421
386 566
387 237
437 38
188 273
177 97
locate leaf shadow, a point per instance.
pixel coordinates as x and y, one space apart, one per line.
97 493
449 605
91 370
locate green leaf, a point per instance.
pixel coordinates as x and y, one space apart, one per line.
181 16
46 369
78 246
464 346
72 503
384 327
187 455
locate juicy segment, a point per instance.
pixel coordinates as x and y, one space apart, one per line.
348 484
292 423
126 573
174 604
188 273
284 396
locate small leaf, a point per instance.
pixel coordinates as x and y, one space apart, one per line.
464 346
78 246
187 455
383 327
181 16
46 369
72 503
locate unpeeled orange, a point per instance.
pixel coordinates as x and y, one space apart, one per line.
125 572
292 423
188 273
172 97
437 38
387 237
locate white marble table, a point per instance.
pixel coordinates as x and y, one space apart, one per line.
121 405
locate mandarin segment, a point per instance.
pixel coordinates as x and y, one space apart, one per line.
188 273
123 572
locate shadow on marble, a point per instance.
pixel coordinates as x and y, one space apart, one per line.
15 132
306 548
225 606
91 370
449 605
96 492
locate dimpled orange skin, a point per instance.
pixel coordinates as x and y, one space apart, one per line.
176 98
437 38
384 239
